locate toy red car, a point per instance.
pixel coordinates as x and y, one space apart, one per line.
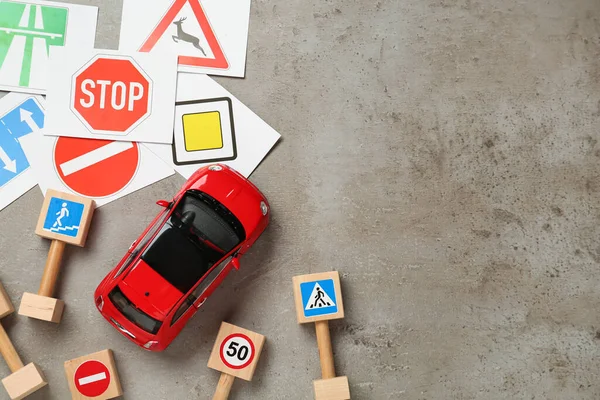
183 256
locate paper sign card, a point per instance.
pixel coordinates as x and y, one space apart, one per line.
20 115
211 125
29 29
209 36
104 170
104 94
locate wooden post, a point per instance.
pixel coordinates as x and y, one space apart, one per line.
9 353
325 349
25 379
69 224
224 386
52 268
235 354
318 299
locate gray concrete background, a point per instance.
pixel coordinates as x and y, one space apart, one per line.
442 155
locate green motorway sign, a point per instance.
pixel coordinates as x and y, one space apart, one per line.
27 31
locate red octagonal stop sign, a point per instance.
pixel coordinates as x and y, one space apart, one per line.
111 94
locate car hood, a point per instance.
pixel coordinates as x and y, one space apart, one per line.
149 291
239 196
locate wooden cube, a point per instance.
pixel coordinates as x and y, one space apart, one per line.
6 306
236 351
41 307
318 297
93 376
25 381
332 389
65 217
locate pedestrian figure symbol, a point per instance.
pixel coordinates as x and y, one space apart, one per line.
63 217
318 298
319 301
64 212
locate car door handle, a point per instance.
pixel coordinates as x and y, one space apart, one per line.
201 302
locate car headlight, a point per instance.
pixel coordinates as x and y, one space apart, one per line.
215 168
264 208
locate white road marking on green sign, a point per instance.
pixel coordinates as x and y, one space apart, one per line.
26 33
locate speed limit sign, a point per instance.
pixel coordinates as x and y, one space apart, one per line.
236 351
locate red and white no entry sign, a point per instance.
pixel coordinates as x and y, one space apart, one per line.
92 378
95 168
111 94
237 351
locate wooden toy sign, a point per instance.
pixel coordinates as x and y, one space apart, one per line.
235 354
25 379
104 94
93 376
318 299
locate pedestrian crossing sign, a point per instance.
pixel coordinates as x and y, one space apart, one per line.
65 217
318 297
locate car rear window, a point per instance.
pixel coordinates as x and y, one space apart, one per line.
132 313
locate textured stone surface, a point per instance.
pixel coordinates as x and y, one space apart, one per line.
442 155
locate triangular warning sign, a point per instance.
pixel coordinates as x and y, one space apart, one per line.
181 36
318 299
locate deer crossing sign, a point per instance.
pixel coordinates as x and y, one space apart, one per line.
209 37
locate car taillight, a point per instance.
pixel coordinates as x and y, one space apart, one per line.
150 344
99 302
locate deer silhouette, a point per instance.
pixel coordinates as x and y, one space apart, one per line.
186 37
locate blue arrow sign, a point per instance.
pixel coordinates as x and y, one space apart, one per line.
20 121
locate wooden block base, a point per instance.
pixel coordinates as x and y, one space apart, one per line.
6 306
97 368
24 382
332 389
41 307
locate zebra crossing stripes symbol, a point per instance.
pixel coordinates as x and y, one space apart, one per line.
318 298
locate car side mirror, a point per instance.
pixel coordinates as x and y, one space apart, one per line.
236 263
164 203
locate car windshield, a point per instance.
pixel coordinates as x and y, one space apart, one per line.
199 233
133 314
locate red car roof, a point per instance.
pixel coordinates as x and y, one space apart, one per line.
149 291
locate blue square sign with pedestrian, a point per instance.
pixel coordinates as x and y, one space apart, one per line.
64 217
22 120
318 298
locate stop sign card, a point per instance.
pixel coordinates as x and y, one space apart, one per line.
209 36
104 94
104 170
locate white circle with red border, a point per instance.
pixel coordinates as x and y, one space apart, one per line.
92 378
237 351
